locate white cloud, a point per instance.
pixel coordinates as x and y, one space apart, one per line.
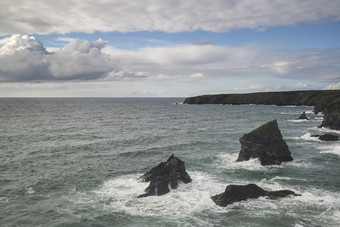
197 75
183 61
22 58
80 59
66 16
333 87
272 87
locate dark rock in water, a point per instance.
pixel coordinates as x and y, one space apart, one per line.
236 193
303 116
331 119
266 144
328 137
166 174
281 194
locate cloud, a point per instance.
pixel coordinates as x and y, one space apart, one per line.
183 61
80 59
333 87
22 58
66 16
273 87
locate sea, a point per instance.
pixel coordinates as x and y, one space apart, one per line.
77 162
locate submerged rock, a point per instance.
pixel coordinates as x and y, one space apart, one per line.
266 144
236 193
166 174
303 116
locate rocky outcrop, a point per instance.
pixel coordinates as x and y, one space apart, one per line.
166 174
317 98
303 116
266 144
236 193
328 137
331 118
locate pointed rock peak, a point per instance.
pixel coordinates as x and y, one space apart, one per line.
171 157
268 129
303 116
266 144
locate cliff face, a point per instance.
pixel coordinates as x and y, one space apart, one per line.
318 98
331 119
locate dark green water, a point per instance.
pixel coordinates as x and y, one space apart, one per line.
75 162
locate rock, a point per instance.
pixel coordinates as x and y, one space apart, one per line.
328 137
166 174
303 116
266 144
317 98
236 193
331 118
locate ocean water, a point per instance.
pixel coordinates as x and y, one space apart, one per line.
76 162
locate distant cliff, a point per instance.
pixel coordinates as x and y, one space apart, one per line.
331 119
317 98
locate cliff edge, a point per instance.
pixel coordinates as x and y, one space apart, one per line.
317 98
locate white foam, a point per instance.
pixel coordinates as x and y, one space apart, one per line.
309 137
327 130
309 112
120 195
281 178
30 191
298 164
298 120
228 161
330 149
185 200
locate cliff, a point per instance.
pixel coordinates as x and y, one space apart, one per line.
317 98
331 119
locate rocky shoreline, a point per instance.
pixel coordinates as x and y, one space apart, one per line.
324 101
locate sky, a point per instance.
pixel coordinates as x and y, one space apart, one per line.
167 48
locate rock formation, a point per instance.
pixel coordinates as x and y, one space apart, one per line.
331 119
266 144
166 174
235 193
328 137
317 98
303 116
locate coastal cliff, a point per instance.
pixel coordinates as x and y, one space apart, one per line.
331 119
317 98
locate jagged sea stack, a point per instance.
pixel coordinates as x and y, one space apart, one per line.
166 174
266 144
